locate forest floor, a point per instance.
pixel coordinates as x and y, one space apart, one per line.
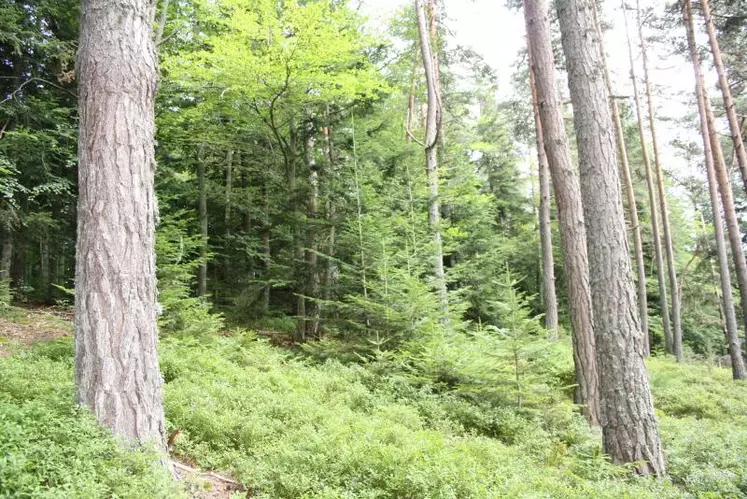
261 421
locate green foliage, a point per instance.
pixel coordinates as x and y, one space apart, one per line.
51 449
178 258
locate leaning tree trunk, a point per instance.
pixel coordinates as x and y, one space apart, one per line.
668 240
548 266
730 321
432 132
116 365
570 211
661 279
731 112
629 426
730 214
629 192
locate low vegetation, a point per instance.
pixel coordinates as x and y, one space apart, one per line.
421 424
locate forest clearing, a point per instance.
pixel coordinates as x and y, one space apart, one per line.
350 248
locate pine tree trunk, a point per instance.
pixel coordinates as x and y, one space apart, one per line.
730 214
668 240
432 132
565 183
730 321
331 268
635 226
549 297
116 364
653 204
731 112
202 214
629 427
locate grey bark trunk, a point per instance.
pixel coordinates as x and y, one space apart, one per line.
727 300
432 132
116 364
202 214
629 426
668 239
565 183
45 269
653 204
731 112
549 297
635 226
6 256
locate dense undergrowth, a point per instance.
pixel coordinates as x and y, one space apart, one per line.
422 425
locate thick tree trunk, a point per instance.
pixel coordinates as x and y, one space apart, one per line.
629 427
668 240
549 297
635 226
203 219
731 112
432 133
6 257
653 204
116 364
570 211
730 321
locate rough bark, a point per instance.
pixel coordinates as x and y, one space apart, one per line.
203 219
653 204
629 426
549 297
565 183
664 210
727 300
331 267
116 364
635 226
432 132
46 282
731 112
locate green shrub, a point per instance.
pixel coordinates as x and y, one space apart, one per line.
51 449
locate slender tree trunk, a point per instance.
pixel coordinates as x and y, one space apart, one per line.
565 183
162 22
635 226
731 112
331 267
629 427
668 240
548 265
116 363
727 200
45 270
202 214
298 253
311 257
432 132
7 256
730 320
229 188
411 99
661 279
359 218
